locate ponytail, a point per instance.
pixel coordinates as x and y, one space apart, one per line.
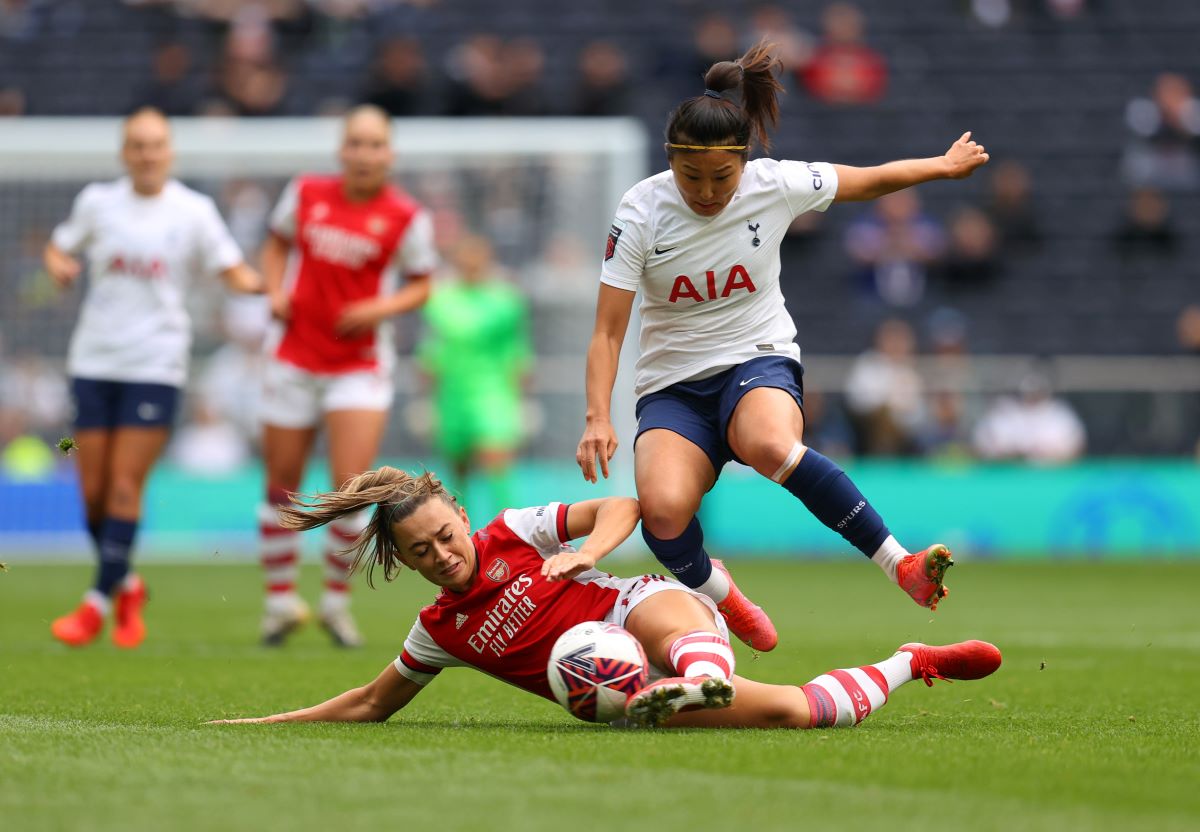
713 120
395 494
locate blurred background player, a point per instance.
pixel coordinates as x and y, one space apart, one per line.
477 351
345 254
145 236
719 376
510 590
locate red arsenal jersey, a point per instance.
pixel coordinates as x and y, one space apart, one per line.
345 252
507 621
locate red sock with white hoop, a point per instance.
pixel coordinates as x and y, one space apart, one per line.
702 653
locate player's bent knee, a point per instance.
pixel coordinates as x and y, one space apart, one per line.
666 520
772 456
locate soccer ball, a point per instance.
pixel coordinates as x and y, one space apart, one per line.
594 668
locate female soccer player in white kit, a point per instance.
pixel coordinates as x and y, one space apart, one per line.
719 377
508 591
346 253
146 237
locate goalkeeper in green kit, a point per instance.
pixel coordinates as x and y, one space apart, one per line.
476 350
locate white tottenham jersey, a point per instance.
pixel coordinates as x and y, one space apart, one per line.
142 254
710 285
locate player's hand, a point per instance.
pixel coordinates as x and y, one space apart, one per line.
63 269
361 317
964 156
599 441
566 565
281 306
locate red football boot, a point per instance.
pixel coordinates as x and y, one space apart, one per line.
745 619
964 660
80 627
921 575
654 704
128 627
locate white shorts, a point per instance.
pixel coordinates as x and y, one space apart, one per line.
297 398
636 590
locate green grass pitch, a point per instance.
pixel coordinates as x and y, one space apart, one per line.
1090 724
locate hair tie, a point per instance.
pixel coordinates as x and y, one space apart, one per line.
713 94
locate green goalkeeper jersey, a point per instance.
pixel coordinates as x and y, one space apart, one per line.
476 346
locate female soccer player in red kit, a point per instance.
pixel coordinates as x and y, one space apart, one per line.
508 591
719 376
346 253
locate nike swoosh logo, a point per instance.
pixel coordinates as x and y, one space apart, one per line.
658 250
747 381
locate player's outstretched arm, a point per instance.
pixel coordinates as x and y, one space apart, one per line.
858 184
62 267
373 702
613 307
607 522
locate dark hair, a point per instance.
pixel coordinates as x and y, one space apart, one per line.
395 495
709 120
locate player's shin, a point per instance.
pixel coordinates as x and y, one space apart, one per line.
115 545
844 698
701 653
335 614
835 500
279 551
685 558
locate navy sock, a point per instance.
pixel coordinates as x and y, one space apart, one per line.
93 530
116 540
684 556
833 499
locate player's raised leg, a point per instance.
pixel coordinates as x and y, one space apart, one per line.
680 633
766 431
285 452
354 438
673 474
843 698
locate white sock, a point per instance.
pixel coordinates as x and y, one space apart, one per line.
702 653
889 555
98 600
897 669
334 601
716 587
281 602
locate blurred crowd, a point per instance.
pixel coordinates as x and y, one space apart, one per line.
909 264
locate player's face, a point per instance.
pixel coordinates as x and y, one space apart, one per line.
366 153
707 180
435 541
147 152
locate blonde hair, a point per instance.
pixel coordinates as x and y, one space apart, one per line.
395 494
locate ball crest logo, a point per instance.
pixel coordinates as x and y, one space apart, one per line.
376 225
320 211
498 571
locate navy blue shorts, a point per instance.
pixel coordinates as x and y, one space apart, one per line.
700 411
119 404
